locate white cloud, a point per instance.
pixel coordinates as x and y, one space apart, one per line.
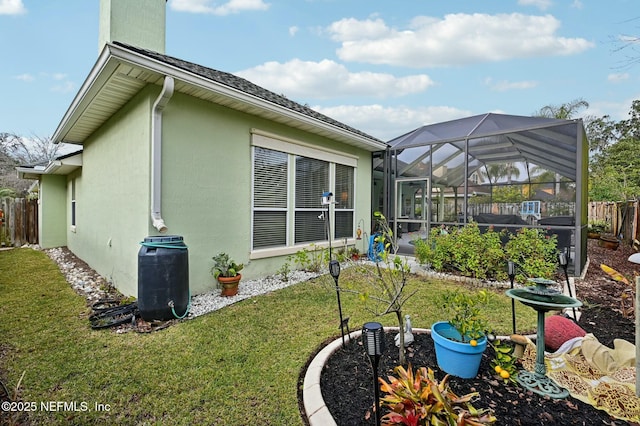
540 4
25 77
59 76
504 85
617 77
616 110
386 123
209 6
328 79
64 87
12 7
456 39
293 31
576 4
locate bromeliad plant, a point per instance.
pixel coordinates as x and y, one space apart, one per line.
420 400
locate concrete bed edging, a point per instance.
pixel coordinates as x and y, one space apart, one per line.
315 409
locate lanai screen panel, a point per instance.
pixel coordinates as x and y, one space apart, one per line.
472 160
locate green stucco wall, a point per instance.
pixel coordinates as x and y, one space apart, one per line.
139 23
206 188
207 183
52 210
112 195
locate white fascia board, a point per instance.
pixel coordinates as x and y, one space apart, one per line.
27 173
99 74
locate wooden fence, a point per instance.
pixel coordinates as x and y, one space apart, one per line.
18 222
623 218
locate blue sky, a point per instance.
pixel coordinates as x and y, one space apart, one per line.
384 67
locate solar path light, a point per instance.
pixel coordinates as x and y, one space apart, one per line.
563 260
373 341
511 271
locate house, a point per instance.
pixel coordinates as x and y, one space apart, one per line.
170 147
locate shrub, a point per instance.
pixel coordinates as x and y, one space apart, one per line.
464 250
534 253
311 260
469 252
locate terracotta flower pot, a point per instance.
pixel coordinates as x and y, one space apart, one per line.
229 285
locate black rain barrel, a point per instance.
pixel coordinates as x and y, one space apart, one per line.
163 278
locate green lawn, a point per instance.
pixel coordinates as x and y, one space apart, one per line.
236 366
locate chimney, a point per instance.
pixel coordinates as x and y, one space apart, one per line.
140 23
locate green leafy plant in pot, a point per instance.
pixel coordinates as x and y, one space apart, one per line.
460 341
227 272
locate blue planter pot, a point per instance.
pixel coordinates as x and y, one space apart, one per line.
456 358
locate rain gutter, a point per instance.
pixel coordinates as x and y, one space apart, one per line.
156 154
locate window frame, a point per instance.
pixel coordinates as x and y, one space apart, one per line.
73 206
294 148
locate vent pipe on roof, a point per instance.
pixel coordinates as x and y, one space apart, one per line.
156 154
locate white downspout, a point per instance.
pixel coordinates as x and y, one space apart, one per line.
156 154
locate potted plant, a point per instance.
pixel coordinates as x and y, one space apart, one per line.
461 341
354 254
226 271
597 227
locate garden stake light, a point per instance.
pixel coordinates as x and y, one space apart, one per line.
334 270
334 265
564 262
373 340
511 271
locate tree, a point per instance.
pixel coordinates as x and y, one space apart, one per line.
15 151
604 186
28 151
616 172
386 281
614 167
565 111
493 172
602 132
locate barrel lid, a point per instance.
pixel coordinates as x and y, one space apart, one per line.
164 239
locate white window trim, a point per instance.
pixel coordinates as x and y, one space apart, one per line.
74 206
293 147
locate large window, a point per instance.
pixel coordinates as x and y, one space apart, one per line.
288 183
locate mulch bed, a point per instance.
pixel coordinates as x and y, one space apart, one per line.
347 380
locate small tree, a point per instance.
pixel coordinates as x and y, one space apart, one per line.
387 280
